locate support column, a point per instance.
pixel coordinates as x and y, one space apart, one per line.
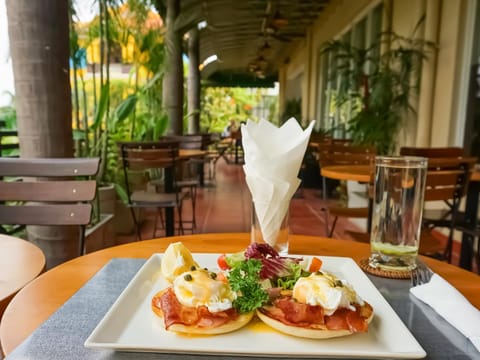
427 84
39 45
173 79
193 81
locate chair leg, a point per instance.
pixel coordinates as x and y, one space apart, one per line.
213 165
477 254
325 198
157 215
333 226
82 240
180 221
193 194
447 254
137 227
162 219
325 219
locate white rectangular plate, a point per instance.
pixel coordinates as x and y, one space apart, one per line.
130 324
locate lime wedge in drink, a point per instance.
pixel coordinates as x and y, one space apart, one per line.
399 250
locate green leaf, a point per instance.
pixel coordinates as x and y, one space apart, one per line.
152 81
126 107
101 107
78 134
161 126
122 193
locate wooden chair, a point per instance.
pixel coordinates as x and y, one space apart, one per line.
157 159
434 218
440 217
433 152
55 195
475 234
447 181
189 172
343 153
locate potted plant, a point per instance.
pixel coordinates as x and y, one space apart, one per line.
378 85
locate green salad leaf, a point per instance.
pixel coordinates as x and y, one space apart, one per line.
245 279
233 260
296 272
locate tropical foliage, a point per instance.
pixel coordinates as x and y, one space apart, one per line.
8 121
106 109
220 105
378 85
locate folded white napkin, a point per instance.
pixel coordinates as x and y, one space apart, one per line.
449 303
273 157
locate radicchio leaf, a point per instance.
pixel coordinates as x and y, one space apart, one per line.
273 265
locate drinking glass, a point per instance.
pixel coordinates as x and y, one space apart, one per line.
273 230
399 188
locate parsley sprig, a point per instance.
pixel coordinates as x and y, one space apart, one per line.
245 279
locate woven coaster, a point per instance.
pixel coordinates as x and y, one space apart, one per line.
392 274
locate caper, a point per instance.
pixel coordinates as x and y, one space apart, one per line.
188 277
193 268
338 283
213 275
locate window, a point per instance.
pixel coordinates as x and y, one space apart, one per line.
362 34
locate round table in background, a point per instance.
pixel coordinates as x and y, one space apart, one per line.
20 263
360 173
39 299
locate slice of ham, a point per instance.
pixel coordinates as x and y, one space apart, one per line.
293 313
175 313
298 313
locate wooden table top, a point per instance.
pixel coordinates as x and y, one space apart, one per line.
361 173
39 299
20 263
190 153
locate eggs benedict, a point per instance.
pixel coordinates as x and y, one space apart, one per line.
198 303
319 306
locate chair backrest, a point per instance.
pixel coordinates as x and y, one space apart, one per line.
144 156
345 154
50 191
433 152
447 178
54 183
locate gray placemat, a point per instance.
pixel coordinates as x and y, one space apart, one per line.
62 336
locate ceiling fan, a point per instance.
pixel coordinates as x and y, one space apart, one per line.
274 25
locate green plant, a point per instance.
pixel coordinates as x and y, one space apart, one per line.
293 108
220 105
378 85
8 121
121 110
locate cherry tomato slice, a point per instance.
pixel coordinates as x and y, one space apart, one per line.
315 264
222 263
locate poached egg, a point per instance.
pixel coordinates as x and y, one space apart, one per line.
326 290
198 287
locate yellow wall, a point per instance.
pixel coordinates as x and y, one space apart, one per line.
438 103
448 63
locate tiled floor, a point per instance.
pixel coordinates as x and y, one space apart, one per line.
225 206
